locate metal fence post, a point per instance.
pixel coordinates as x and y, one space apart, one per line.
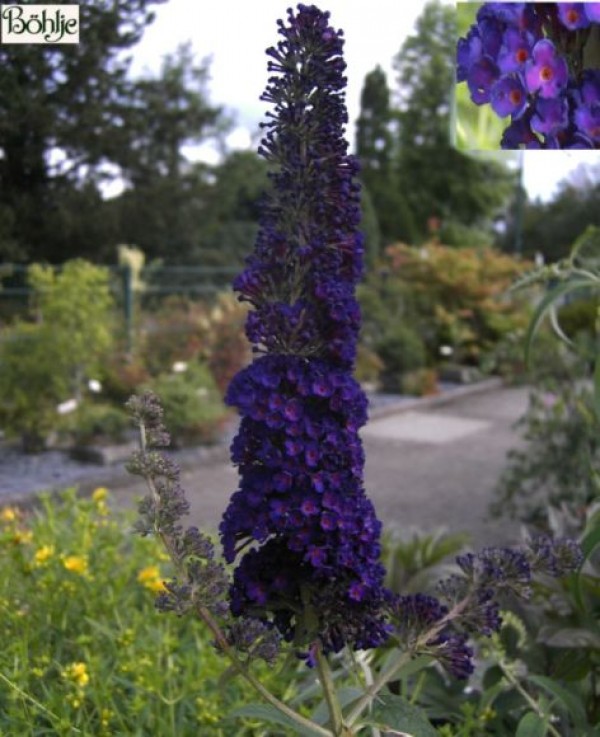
128 305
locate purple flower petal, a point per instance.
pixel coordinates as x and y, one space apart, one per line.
573 15
551 116
546 72
508 97
482 76
592 10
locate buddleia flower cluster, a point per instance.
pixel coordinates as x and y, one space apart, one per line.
302 533
536 65
468 602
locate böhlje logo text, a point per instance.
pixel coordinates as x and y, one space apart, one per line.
39 24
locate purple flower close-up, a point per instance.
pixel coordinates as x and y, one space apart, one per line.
551 116
592 10
573 15
300 529
515 51
519 135
547 72
480 79
508 97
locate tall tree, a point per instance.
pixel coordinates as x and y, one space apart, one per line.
374 147
440 181
70 117
166 205
551 228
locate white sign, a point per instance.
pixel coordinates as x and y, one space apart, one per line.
39 24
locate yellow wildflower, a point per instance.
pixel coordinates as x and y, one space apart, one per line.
76 564
43 554
150 578
99 494
77 673
9 514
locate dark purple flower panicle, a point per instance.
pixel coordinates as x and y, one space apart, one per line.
417 615
303 533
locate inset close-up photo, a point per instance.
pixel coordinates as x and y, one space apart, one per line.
528 76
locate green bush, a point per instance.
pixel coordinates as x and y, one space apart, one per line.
84 650
194 410
33 381
401 349
560 463
96 423
48 361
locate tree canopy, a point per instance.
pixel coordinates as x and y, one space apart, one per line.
404 141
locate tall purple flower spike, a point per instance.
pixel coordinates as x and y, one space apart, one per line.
308 534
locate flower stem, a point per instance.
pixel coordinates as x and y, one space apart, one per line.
328 685
531 702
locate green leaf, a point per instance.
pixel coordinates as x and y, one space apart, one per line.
546 303
268 713
531 725
569 700
396 716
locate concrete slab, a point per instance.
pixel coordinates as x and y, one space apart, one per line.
433 428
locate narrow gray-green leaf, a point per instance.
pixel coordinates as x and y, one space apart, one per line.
544 305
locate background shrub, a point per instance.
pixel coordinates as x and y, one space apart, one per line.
194 410
401 349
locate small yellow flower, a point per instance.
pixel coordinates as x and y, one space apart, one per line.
77 673
76 564
43 554
99 494
9 514
150 578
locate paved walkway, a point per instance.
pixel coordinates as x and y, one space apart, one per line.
427 468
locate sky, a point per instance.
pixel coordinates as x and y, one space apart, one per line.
235 34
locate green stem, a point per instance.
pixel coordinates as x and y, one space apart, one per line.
327 682
529 699
224 645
